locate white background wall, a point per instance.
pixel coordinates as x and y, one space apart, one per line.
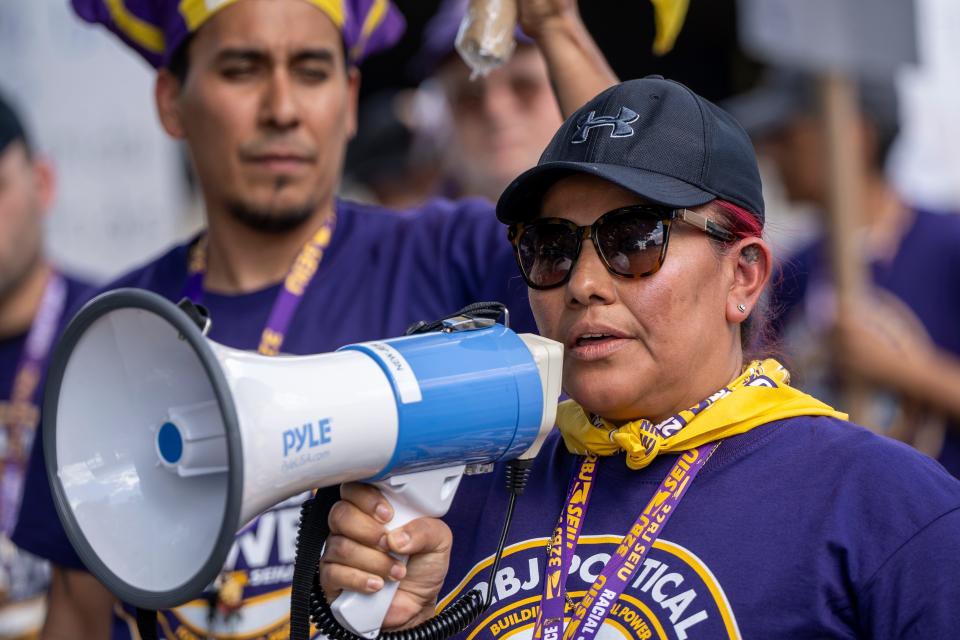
88 103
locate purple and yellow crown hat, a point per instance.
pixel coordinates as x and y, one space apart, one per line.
157 28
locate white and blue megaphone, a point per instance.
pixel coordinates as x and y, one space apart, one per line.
160 444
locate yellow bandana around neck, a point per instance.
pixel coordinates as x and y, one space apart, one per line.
760 395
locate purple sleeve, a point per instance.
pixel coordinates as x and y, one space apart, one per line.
483 266
916 592
38 527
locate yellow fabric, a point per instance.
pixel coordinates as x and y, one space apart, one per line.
334 9
760 395
377 13
143 33
196 12
669 16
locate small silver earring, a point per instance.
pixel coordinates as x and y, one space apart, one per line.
741 308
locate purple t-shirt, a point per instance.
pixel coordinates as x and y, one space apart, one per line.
383 271
924 275
802 528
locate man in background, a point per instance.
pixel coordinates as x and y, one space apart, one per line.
33 297
904 336
264 93
500 123
397 157
457 134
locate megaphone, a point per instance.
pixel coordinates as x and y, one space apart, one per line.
161 444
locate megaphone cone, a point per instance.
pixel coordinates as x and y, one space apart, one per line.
160 444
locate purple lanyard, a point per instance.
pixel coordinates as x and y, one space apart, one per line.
290 295
562 546
588 616
23 414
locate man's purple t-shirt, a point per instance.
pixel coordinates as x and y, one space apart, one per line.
802 528
383 271
924 275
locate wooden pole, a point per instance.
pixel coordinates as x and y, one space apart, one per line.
838 95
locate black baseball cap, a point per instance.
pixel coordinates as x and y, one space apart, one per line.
11 127
651 136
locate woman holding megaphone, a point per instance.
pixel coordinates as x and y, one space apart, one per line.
691 491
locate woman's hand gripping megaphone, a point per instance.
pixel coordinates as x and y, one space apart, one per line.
357 555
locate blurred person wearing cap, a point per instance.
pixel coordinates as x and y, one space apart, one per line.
33 298
264 93
690 491
903 337
499 123
396 158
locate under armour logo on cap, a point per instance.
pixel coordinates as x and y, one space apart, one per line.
620 124
658 140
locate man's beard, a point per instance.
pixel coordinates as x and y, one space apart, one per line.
271 219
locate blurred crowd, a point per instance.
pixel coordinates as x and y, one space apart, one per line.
444 132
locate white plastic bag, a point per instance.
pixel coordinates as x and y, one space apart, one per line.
486 36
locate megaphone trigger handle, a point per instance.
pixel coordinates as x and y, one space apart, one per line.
197 313
457 616
413 495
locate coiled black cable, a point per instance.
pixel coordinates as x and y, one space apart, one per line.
463 612
147 623
483 310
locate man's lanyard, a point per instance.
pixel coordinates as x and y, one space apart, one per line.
588 616
22 414
288 299
304 267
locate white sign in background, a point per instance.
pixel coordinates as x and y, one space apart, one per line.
926 164
917 38
860 36
88 102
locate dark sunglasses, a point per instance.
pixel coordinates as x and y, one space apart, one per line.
631 242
